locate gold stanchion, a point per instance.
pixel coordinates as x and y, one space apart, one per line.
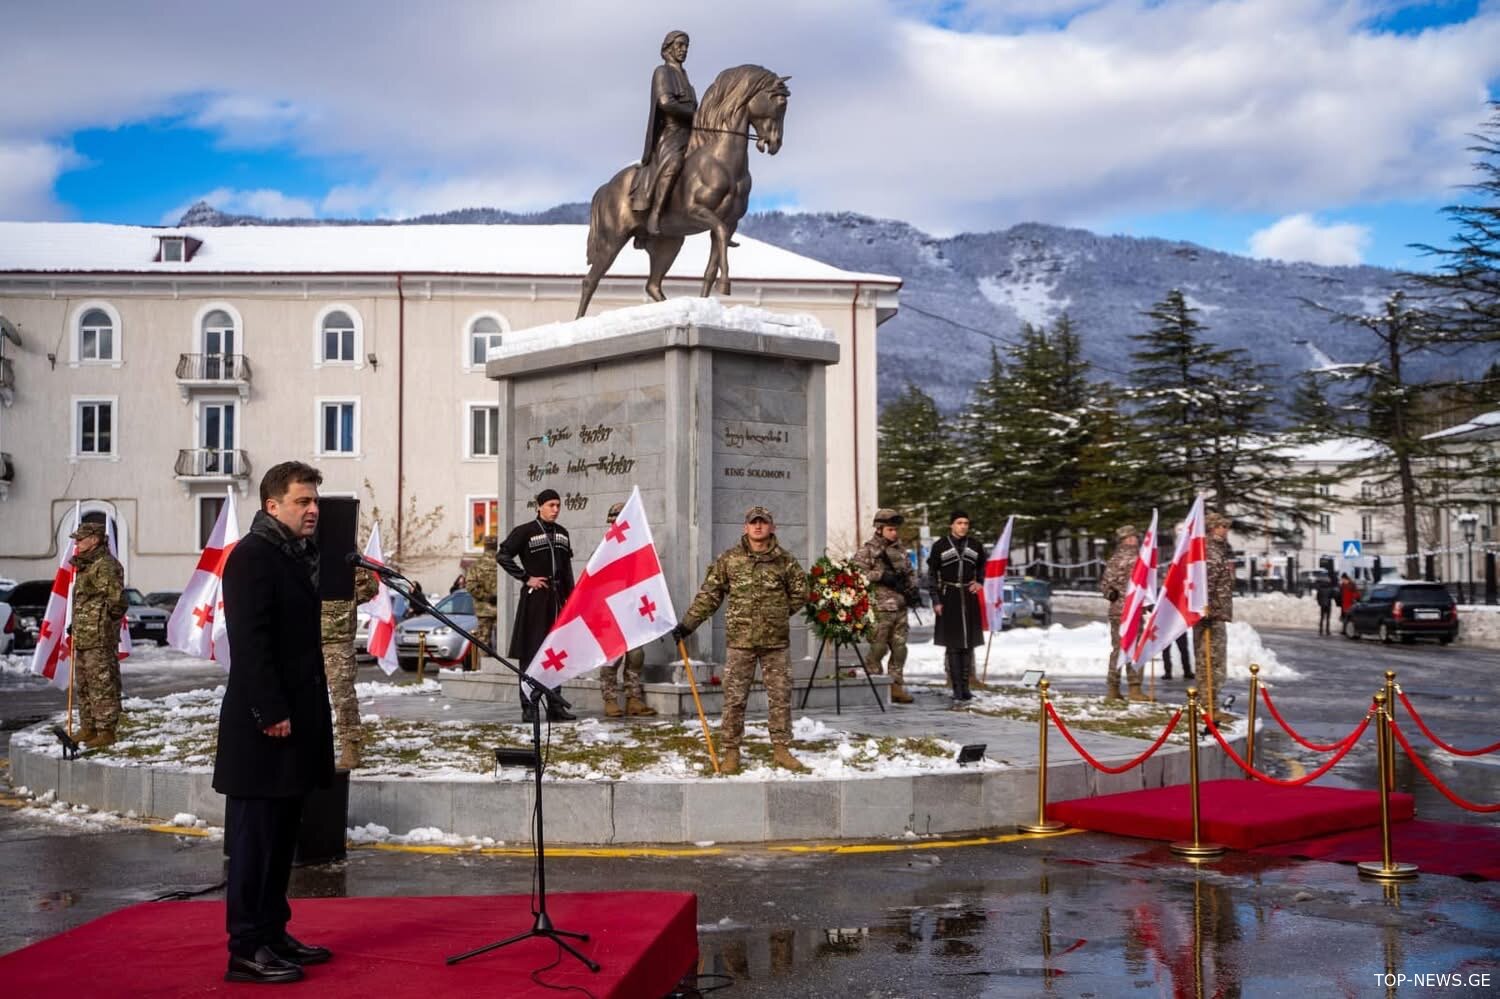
421 657
1208 675
1390 744
473 657
1254 698
702 718
1385 869
1042 823
1197 849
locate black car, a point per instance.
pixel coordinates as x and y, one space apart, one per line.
1407 611
28 604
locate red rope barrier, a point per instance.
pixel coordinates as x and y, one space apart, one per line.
1266 696
1347 745
1417 760
1052 713
1439 742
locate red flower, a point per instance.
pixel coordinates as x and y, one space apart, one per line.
823 616
817 570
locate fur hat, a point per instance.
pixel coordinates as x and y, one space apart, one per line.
958 515
547 496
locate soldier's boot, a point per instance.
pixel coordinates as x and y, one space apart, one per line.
103 737
1112 691
974 682
349 754
730 762
1136 693
782 757
612 709
637 708
899 694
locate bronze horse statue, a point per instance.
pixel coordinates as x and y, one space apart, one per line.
710 194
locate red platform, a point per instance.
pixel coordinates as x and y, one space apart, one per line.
1241 814
1450 848
388 947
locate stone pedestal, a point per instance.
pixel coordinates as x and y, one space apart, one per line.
707 410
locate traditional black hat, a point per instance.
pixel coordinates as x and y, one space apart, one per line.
547 496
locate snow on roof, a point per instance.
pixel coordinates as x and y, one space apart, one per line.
530 250
1485 426
655 315
1334 450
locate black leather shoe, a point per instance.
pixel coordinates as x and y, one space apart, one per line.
295 951
560 714
264 968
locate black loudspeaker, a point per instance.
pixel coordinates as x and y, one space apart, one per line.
338 530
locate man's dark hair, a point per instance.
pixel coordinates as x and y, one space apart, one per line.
279 478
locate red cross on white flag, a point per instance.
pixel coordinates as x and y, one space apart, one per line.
620 603
198 626
992 608
52 656
382 611
1141 591
1184 594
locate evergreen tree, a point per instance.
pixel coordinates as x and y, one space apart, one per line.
915 454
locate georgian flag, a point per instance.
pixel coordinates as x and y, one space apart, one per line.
381 611
1184 595
1141 591
992 609
53 654
198 626
620 603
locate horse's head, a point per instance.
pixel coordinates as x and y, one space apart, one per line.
767 110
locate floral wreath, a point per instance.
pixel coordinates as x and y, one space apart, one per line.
838 602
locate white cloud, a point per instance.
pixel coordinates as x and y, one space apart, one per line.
27 172
264 202
1302 237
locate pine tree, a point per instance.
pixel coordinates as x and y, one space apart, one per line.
915 454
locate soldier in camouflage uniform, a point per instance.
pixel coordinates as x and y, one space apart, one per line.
1114 585
1210 636
634 662
98 608
883 561
765 587
482 582
340 622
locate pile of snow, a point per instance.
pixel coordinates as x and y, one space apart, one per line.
1479 624
1278 610
373 832
657 315
20 666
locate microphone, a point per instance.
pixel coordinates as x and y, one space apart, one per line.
358 561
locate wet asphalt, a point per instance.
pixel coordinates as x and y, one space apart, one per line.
1081 914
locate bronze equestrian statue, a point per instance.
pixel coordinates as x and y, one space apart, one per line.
694 175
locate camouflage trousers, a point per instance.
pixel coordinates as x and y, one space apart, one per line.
739 673
1134 672
1215 636
609 680
484 630
339 667
96 682
890 633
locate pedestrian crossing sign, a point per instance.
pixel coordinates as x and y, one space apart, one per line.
1353 549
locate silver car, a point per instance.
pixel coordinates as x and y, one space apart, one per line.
443 643
1018 608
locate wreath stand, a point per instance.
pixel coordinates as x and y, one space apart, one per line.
838 678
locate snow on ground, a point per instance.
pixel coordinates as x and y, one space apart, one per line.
19 665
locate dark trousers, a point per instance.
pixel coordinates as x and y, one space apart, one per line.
958 663
1324 613
1183 651
260 835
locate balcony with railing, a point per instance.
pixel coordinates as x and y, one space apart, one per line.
213 371
212 465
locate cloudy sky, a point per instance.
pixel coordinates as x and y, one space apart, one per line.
1325 130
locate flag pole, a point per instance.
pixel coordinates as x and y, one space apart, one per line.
702 718
985 675
72 673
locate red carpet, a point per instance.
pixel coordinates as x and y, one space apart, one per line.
1449 848
387 947
1242 814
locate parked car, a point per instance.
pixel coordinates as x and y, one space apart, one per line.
164 599
362 624
146 622
443 643
7 628
1406 610
1039 592
28 604
1017 608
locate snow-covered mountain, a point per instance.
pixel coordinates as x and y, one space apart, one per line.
960 293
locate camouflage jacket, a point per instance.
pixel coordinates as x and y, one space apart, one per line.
1116 579
764 590
481 581
877 557
340 621
1220 580
98 600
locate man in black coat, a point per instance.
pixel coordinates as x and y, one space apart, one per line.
955 569
539 554
275 731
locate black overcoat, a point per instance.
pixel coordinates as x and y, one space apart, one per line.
276 672
952 565
536 549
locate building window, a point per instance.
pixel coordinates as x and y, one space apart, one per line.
95 422
484 431
96 336
208 516
1325 523
219 334
338 337
1366 532
484 519
484 334
338 427
171 250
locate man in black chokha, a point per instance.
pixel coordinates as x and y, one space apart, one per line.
539 555
955 567
275 730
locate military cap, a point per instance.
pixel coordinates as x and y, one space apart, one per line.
1127 531
90 529
888 518
1217 519
759 513
614 511
491 542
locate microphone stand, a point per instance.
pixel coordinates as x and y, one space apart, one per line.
541 694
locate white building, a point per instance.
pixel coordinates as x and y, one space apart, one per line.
159 367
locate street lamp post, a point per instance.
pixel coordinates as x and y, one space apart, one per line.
1469 521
